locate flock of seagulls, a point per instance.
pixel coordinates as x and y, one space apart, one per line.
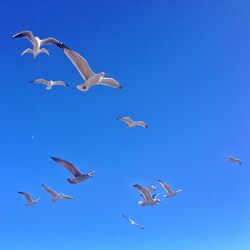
91 79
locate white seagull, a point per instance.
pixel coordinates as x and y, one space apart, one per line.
133 222
91 78
131 123
79 177
171 192
30 200
56 196
148 198
233 159
49 84
37 43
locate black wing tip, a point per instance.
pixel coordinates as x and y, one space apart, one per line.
70 181
146 126
32 81
62 46
54 158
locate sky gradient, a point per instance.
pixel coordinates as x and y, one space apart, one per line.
184 66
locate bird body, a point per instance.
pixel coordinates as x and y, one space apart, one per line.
37 43
79 177
148 200
29 198
171 192
131 123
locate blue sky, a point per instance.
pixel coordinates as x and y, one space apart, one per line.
184 66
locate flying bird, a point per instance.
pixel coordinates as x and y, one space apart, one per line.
133 222
37 43
56 196
49 84
29 198
131 123
79 177
233 159
148 198
91 79
171 192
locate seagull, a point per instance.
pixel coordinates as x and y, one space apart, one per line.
91 78
234 159
56 196
148 198
79 177
51 83
131 123
133 222
37 43
30 200
171 192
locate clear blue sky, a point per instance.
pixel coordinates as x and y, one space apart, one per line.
184 66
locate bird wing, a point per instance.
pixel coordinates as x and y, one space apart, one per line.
60 83
124 216
50 190
27 196
145 192
26 34
50 40
67 165
110 82
67 197
126 119
166 186
80 63
43 81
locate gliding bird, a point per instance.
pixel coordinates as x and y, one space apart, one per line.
56 196
131 123
233 159
171 192
133 222
79 177
37 43
91 78
29 198
51 83
148 198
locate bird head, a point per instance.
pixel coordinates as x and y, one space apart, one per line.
104 74
179 190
